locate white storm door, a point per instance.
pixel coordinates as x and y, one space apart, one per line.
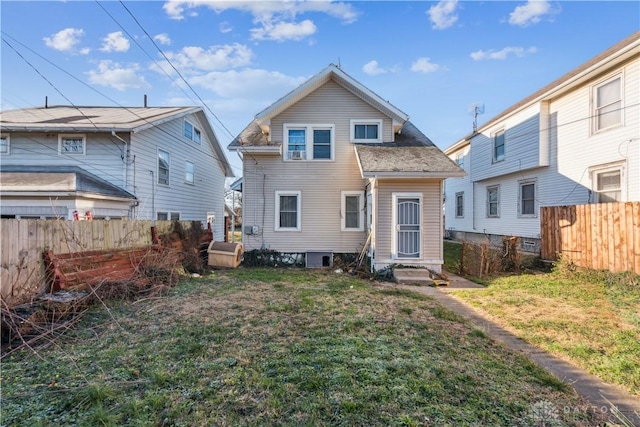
408 233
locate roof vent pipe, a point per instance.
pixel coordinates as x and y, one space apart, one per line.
46 102
145 101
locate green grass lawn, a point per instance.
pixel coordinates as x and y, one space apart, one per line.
263 347
590 318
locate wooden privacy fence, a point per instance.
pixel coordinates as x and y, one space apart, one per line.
22 243
603 236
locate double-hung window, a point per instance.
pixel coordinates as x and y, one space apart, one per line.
493 201
498 146
308 142
352 210
527 199
366 130
189 173
164 162
5 144
460 204
288 206
460 160
607 104
607 183
72 144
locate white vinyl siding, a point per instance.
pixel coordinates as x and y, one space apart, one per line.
607 104
352 210
72 144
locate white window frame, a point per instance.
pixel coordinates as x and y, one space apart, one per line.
308 128
188 173
5 149
352 129
596 171
171 216
196 133
594 103
298 226
521 184
168 168
488 207
496 134
460 160
62 137
459 194
343 210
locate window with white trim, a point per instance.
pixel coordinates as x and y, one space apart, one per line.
498 146
607 183
493 201
192 132
607 104
72 144
308 142
460 160
5 144
164 162
288 211
189 173
352 210
460 204
166 216
527 198
363 130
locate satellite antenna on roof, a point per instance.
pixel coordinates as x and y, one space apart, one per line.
476 108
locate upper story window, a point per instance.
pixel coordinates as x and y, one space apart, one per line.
308 142
493 201
5 144
460 160
164 162
352 210
527 199
607 104
189 173
192 132
460 205
607 183
498 146
366 130
288 207
72 144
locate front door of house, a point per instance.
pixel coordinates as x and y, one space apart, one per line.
407 227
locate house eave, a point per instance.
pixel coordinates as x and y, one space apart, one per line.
412 175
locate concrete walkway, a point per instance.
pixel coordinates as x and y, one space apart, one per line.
596 391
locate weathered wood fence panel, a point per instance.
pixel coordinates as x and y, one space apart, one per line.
598 236
23 241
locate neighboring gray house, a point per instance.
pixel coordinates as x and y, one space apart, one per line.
332 167
112 163
575 141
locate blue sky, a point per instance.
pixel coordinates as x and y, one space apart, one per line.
433 60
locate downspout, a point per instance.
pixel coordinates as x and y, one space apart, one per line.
374 220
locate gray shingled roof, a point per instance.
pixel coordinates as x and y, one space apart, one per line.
250 136
41 178
412 154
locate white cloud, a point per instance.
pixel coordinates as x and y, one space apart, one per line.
114 75
162 38
275 20
530 13
372 68
501 54
443 15
424 65
282 31
115 42
193 58
225 27
66 40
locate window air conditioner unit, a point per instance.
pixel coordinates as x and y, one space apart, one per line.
296 155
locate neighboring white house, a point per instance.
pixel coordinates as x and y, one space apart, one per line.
575 141
332 168
112 162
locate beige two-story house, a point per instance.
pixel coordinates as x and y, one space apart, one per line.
333 168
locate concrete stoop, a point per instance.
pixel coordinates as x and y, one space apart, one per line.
413 276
